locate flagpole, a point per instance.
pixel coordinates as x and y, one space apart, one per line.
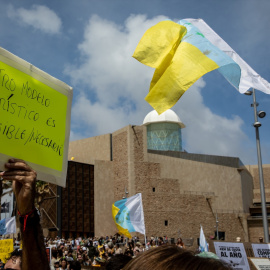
217 226
259 156
263 202
145 241
203 242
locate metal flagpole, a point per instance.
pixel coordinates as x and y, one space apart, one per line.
217 226
262 189
145 242
126 193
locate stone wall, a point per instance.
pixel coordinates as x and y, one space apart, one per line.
90 149
185 213
104 198
255 230
183 192
255 223
253 169
186 193
120 163
247 188
225 182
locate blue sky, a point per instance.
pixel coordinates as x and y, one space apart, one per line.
88 44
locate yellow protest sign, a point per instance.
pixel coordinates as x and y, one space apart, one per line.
35 118
6 247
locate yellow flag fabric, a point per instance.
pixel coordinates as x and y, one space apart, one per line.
171 81
159 43
181 55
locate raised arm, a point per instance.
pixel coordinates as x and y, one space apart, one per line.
24 180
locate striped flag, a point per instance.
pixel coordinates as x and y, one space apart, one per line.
8 226
128 215
203 243
249 77
182 53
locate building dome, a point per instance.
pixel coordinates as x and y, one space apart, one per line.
168 116
163 131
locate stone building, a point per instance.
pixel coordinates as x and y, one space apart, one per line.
180 190
255 222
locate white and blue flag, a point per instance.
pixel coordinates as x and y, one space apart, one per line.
203 243
128 215
8 226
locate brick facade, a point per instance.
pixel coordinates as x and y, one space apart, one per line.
255 223
163 197
180 191
120 164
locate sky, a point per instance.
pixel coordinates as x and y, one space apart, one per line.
89 44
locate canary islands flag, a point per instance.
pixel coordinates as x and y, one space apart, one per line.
182 53
8 226
249 77
128 215
203 243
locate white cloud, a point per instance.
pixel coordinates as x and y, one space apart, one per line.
39 17
107 66
113 86
98 116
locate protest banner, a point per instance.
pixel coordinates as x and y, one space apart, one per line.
260 263
261 250
232 253
35 118
6 247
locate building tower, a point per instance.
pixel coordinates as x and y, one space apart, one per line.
163 131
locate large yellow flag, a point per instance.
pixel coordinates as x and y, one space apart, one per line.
181 55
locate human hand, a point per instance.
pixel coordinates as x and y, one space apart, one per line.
24 180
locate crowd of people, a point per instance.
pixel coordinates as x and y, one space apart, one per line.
99 251
73 255
117 252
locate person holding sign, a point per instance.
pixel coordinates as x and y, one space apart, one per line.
24 180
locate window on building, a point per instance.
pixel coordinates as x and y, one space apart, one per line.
221 235
154 189
166 222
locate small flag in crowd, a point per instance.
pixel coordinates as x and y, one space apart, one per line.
128 215
203 243
8 226
5 207
182 53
